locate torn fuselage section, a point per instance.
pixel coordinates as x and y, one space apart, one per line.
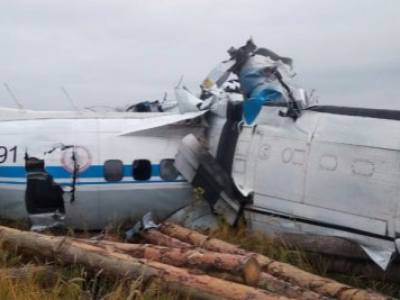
44 197
199 168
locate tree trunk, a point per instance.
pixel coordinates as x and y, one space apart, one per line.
247 267
275 285
157 238
200 240
124 266
323 286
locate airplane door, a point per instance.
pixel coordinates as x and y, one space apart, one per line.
72 169
281 166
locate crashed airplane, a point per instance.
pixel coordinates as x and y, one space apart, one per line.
251 140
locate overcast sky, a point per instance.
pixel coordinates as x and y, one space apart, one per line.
115 52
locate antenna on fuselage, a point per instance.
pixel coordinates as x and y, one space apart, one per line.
179 82
69 99
13 96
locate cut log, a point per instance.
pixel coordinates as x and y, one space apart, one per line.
323 286
124 266
157 238
265 280
200 240
275 285
245 266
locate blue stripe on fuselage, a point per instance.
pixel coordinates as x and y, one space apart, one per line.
12 172
58 172
102 182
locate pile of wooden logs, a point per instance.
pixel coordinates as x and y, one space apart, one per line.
193 265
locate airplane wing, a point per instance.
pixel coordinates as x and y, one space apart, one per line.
151 123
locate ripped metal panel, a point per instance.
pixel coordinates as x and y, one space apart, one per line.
42 193
43 221
196 215
45 198
201 170
382 256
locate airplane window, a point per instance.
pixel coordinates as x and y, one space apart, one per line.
168 170
113 170
141 169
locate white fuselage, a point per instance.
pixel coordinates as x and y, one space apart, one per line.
325 173
328 174
92 199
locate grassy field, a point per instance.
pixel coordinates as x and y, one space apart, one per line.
74 282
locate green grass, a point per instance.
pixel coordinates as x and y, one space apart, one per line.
74 282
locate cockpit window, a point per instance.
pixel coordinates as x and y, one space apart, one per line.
141 169
113 170
168 170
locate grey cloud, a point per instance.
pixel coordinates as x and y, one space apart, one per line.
117 51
